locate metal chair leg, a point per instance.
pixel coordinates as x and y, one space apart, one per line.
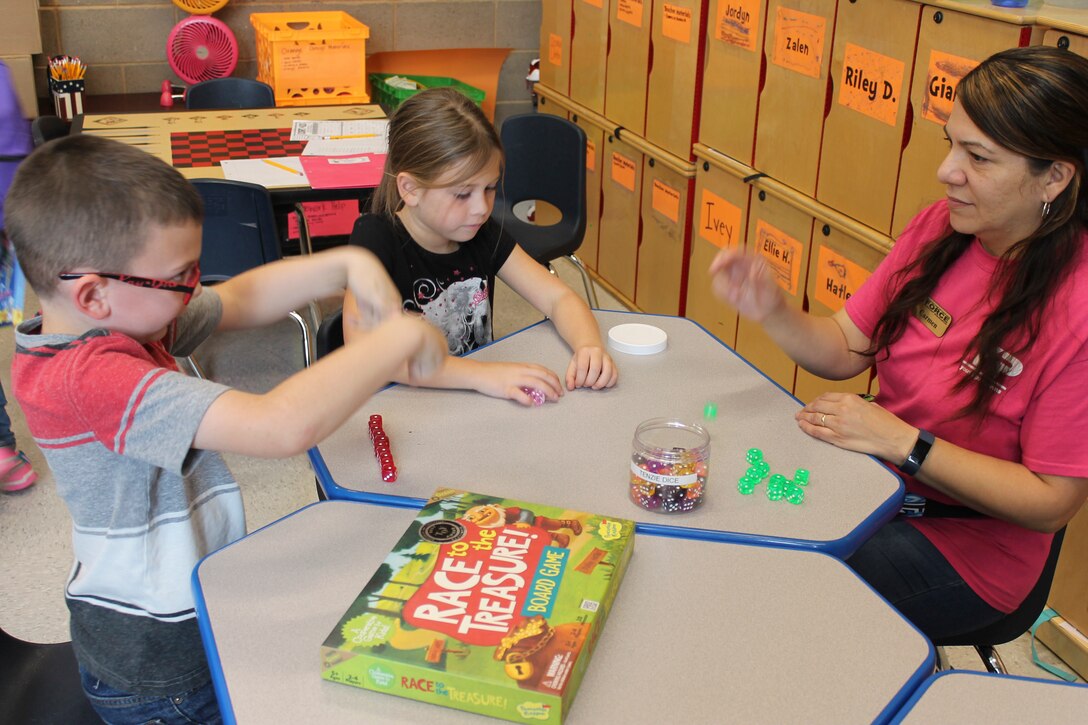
194 367
991 659
307 338
591 292
305 243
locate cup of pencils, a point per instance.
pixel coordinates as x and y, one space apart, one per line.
66 85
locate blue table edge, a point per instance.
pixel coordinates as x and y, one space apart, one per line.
921 690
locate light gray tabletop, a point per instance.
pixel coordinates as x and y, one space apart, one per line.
700 632
980 697
577 451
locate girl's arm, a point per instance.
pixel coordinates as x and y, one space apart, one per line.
824 346
591 366
998 488
304 409
265 294
498 380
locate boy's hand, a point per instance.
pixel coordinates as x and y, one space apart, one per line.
430 355
744 281
506 380
375 295
591 367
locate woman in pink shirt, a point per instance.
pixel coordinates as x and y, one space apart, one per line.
977 324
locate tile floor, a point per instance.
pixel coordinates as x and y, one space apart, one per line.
35 529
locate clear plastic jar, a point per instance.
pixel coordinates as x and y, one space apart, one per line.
670 460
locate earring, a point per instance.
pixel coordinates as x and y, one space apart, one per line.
1046 209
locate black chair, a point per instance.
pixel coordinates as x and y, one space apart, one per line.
240 234
229 93
545 161
47 128
330 334
39 684
1012 625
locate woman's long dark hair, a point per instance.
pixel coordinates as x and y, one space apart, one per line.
1034 102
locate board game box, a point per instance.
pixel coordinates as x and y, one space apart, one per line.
485 604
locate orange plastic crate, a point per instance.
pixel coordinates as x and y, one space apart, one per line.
312 58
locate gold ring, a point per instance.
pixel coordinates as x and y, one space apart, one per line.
823 419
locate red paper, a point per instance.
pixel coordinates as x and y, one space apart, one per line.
344 172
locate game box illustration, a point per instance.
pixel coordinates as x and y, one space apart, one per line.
485 604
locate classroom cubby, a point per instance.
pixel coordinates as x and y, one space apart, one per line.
589 53
667 186
796 91
673 98
719 220
872 65
627 67
949 45
621 214
781 232
555 43
733 68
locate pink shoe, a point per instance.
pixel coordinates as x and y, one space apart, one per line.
15 471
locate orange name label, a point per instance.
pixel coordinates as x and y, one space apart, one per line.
799 41
666 201
630 12
942 77
623 171
783 254
737 22
871 83
595 3
591 156
676 22
837 278
719 221
555 49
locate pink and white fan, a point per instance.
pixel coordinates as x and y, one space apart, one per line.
201 48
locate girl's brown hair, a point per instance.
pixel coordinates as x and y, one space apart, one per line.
432 132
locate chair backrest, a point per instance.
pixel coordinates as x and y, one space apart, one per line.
230 93
47 128
330 335
39 683
1015 623
239 228
545 161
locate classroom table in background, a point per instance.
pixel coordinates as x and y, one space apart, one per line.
578 451
959 696
699 632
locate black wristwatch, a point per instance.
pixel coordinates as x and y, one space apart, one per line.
917 455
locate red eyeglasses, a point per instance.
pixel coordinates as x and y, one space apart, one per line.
188 286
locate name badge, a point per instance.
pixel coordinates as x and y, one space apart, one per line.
933 316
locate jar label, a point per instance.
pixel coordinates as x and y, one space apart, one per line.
686 479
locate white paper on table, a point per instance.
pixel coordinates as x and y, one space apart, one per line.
265 171
345 146
309 130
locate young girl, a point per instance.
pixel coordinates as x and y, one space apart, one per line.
430 225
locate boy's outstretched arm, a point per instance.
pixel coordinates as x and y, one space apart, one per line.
591 366
265 294
303 410
497 379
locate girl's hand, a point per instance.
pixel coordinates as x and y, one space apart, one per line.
591 367
376 297
851 422
745 282
506 380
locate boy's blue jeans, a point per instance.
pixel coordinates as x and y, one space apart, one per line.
121 708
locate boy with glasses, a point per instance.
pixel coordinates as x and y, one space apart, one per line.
109 238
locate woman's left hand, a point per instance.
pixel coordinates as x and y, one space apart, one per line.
852 422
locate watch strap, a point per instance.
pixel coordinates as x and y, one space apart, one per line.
917 455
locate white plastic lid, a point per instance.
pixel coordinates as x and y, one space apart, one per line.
638 339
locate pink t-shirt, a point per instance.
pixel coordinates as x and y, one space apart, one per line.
1038 418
